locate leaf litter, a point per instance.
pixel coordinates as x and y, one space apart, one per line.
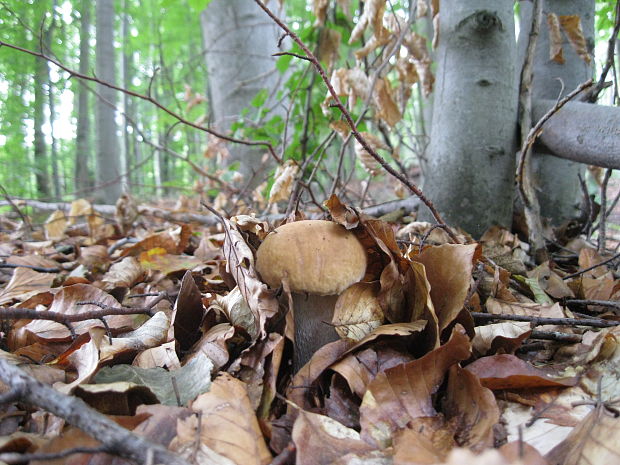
194 343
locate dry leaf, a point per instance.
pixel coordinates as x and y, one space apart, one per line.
372 16
55 226
319 8
284 178
383 99
357 311
24 284
572 27
329 45
555 38
371 165
125 273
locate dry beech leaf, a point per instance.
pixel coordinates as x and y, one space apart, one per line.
65 302
422 442
284 178
420 56
320 440
341 127
248 223
213 345
472 408
240 264
187 313
329 45
341 213
485 335
119 398
572 27
162 356
55 226
125 273
555 38
383 99
421 8
237 311
357 311
369 163
448 269
173 241
228 423
596 439
24 284
405 392
507 371
372 16
319 8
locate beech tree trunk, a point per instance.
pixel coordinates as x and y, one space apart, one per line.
82 140
108 160
470 178
239 40
557 179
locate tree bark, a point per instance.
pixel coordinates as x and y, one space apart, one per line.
82 140
108 160
40 147
582 132
557 179
471 154
239 41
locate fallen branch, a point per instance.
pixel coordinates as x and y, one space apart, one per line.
114 438
537 320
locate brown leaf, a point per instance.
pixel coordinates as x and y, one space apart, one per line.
448 269
319 8
572 27
367 161
405 392
319 440
383 99
329 45
509 372
24 284
283 181
595 440
472 408
372 16
425 441
240 263
125 273
341 213
55 226
173 241
213 345
228 424
187 313
555 38
357 311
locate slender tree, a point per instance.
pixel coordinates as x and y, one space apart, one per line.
108 159
83 140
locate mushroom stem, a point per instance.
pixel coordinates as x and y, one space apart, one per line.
312 315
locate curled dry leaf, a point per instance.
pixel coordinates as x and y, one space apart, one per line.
228 424
448 269
572 27
125 273
371 165
472 408
236 309
249 223
240 264
163 356
510 372
383 98
319 8
213 345
555 38
357 311
24 284
372 16
55 226
419 54
405 392
320 440
284 178
188 312
329 45
486 335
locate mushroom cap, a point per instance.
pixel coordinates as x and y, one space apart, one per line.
317 257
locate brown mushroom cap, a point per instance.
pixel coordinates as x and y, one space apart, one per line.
318 257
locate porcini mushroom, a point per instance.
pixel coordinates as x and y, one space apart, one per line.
319 259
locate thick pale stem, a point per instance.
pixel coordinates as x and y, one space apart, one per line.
313 329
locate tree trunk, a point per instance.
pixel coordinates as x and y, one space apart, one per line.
40 148
82 140
108 160
54 160
471 154
557 179
239 41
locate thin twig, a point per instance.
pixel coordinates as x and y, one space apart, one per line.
580 272
537 320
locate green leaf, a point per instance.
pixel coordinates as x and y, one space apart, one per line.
260 98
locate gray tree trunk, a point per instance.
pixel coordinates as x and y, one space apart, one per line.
108 160
54 159
127 75
239 40
83 146
40 148
557 179
472 150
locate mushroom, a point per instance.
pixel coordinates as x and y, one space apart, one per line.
319 259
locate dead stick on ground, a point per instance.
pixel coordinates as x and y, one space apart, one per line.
116 439
592 322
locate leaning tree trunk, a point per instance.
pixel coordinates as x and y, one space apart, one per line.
557 179
40 148
108 160
239 41
472 150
